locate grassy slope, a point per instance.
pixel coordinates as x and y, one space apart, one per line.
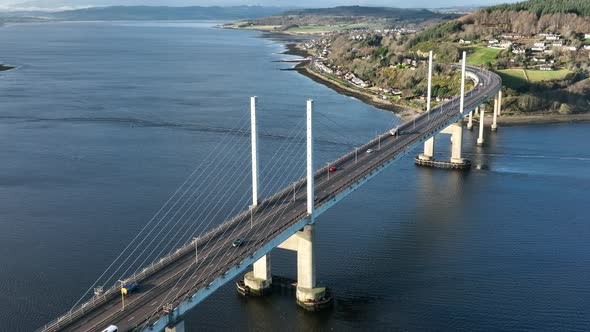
480 55
539 75
515 78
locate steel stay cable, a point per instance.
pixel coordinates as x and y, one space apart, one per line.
242 179
145 293
155 226
228 134
234 229
199 267
197 189
218 202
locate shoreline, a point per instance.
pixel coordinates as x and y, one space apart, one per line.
407 113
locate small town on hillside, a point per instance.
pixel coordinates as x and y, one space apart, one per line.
542 52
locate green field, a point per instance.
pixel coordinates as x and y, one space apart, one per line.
513 78
539 75
479 55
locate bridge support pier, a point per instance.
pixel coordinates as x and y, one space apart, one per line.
480 139
309 296
428 150
457 161
177 327
495 117
470 122
259 280
500 102
456 131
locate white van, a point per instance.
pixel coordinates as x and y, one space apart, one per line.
111 328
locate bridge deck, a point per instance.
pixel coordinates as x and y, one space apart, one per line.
273 217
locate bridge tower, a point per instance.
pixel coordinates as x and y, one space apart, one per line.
308 294
260 278
429 144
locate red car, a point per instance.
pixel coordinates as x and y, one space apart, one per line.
332 169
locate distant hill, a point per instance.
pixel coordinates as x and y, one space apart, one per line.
115 13
319 20
378 12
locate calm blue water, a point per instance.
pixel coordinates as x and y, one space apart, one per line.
101 122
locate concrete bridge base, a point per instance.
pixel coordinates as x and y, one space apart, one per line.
257 282
470 122
309 296
178 327
456 161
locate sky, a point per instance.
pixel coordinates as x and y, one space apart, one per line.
72 4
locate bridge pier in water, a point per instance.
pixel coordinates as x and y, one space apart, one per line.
495 115
259 280
177 327
456 161
480 139
470 121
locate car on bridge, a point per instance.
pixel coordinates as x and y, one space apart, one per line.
332 169
111 328
238 242
369 150
130 288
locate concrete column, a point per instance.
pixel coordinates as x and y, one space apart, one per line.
500 103
480 140
260 278
305 258
310 179
428 101
457 143
306 283
470 123
428 150
178 327
254 138
461 106
495 117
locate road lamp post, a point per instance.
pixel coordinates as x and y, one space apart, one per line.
123 292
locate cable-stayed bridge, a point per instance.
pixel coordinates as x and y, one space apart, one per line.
176 283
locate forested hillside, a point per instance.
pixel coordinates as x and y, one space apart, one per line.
546 7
